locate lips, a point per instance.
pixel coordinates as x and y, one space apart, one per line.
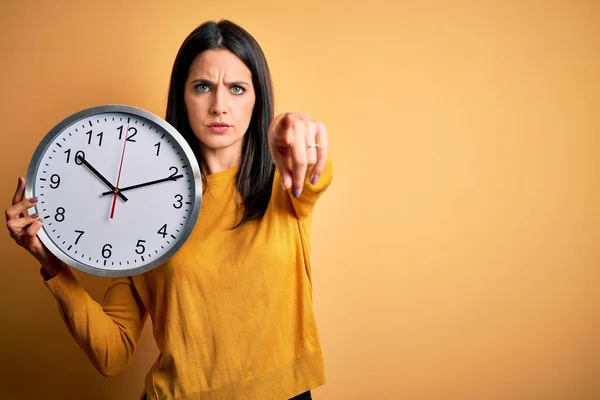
218 127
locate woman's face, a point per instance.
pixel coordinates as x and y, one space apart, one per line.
219 90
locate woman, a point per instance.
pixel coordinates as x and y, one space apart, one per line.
232 310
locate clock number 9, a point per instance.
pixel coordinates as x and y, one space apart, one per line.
55 179
106 251
179 203
60 214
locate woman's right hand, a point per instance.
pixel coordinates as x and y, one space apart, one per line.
24 228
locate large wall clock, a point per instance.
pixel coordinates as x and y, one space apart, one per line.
119 190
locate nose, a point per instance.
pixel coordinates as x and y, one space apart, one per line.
219 102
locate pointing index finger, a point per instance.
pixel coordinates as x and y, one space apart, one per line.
299 158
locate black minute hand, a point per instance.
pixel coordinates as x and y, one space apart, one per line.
170 178
99 175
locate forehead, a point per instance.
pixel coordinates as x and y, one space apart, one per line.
217 64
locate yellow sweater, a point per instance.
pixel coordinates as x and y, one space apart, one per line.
232 310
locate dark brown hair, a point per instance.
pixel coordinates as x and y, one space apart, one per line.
254 179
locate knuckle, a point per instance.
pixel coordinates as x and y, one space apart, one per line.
288 118
297 123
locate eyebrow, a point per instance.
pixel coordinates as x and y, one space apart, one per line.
237 83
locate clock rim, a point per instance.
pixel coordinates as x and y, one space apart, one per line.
139 112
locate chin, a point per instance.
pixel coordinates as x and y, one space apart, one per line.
215 141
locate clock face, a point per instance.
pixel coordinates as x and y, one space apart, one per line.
119 190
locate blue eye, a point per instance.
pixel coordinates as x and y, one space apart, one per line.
201 87
240 91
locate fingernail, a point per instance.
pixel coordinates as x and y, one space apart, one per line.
33 200
34 216
297 193
314 179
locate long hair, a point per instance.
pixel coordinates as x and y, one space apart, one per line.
254 180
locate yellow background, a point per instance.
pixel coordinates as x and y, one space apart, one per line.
457 251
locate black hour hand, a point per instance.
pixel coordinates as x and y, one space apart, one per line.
170 178
102 178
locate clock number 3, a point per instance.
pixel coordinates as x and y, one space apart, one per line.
179 202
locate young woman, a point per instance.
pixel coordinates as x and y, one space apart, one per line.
232 310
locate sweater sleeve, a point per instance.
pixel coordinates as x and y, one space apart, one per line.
304 205
109 332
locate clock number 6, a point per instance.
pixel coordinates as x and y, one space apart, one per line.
106 251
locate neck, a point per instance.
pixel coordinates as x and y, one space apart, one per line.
217 160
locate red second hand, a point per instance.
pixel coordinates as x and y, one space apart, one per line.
112 211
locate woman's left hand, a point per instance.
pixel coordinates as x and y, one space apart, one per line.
299 146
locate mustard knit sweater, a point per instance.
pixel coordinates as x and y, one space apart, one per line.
232 310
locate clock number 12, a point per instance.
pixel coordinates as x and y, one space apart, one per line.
129 137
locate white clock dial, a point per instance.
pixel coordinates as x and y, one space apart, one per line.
119 190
